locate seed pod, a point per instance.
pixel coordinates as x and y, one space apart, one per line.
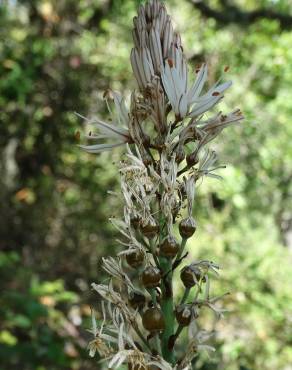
137 300
150 229
190 276
169 247
153 320
151 277
183 314
135 258
187 227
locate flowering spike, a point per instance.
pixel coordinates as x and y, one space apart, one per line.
158 187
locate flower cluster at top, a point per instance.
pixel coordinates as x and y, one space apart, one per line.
167 130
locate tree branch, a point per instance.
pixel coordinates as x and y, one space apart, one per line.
232 14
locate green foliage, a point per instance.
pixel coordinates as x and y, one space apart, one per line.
34 329
57 58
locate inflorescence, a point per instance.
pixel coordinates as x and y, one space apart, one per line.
167 131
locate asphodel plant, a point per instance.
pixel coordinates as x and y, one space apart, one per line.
166 129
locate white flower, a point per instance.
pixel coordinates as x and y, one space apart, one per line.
175 78
116 130
207 165
187 101
120 306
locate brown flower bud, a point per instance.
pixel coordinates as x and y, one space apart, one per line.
183 314
187 227
137 300
190 276
150 229
153 319
135 258
151 277
169 247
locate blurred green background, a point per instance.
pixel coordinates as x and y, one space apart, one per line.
57 57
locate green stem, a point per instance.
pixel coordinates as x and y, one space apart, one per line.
166 303
152 249
182 247
153 296
177 333
185 296
167 309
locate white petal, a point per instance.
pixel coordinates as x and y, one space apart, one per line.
198 85
204 106
98 148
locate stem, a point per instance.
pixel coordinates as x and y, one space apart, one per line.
167 309
152 249
185 296
176 335
182 247
153 296
167 297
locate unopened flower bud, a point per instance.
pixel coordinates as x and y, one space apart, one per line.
135 258
153 320
151 277
169 247
183 314
150 229
187 227
190 276
137 300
